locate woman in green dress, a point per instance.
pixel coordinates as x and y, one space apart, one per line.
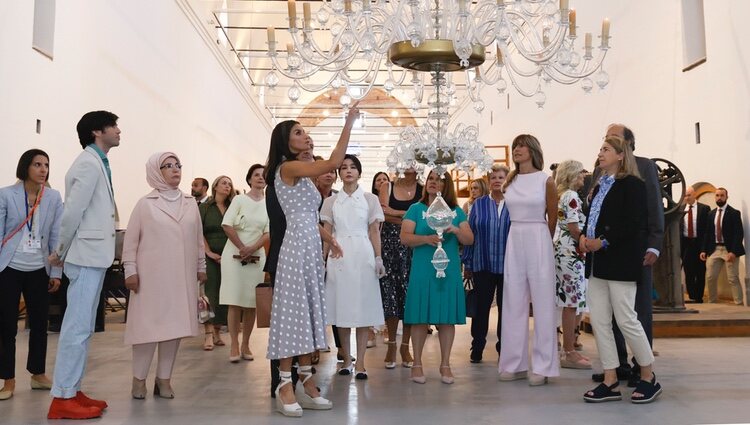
212 214
432 300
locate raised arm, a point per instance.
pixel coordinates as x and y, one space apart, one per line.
292 170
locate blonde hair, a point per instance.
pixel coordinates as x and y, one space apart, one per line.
535 150
232 193
628 166
500 167
567 173
482 188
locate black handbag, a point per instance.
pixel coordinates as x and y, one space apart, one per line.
471 298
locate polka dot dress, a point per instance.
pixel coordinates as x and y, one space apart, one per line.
298 313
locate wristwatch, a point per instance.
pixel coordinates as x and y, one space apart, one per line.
605 243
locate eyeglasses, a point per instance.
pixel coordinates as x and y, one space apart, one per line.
171 165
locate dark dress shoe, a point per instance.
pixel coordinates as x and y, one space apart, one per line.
475 356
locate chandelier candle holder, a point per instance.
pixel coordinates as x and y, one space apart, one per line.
440 218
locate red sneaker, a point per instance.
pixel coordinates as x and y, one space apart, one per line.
69 408
90 402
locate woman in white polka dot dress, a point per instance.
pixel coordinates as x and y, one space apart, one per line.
298 313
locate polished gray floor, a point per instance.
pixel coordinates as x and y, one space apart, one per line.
706 381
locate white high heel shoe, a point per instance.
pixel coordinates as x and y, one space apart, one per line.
292 410
307 402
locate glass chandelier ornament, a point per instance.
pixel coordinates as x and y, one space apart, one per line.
347 42
440 218
434 145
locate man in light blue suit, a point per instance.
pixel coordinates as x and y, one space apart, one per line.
87 248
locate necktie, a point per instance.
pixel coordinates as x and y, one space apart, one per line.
719 235
690 229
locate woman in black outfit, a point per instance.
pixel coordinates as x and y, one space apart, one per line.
396 198
614 239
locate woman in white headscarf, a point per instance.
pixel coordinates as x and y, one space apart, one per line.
164 263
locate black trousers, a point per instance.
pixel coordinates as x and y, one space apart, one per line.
644 308
695 269
33 286
488 286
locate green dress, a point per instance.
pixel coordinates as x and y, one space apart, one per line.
213 232
432 300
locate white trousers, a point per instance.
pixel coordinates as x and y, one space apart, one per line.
144 353
607 297
529 275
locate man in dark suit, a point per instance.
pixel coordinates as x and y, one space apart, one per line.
722 247
655 213
692 234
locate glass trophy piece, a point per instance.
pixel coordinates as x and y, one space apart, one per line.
439 217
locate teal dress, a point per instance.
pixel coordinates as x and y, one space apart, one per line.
432 300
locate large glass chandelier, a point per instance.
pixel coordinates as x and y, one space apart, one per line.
355 45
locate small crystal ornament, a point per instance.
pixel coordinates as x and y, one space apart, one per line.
440 218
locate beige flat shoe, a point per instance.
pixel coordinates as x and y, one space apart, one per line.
38 385
6 394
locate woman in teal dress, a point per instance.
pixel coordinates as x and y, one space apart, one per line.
432 300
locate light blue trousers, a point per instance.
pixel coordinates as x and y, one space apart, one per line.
77 328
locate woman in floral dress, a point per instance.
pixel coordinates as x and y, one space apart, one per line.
569 262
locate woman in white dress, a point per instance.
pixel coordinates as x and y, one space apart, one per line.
352 285
242 261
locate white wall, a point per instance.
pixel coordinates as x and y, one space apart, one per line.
649 92
144 61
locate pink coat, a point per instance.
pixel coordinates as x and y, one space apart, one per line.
166 251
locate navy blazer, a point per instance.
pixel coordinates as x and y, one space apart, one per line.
731 228
623 223
13 213
701 222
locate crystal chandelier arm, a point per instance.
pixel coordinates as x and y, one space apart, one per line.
588 68
536 56
317 88
485 20
326 60
514 67
520 89
401 79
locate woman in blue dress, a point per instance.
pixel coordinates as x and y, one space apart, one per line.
432 300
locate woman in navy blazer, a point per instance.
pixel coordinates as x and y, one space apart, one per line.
614 239
30 215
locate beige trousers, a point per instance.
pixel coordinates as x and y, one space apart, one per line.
714 263
144 353
608 297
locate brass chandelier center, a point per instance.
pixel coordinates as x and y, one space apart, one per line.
432 55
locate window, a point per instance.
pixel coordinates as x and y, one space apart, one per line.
44 27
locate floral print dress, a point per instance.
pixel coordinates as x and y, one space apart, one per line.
569 262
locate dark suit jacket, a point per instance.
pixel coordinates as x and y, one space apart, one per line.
623 223
731 228
653 202
702 211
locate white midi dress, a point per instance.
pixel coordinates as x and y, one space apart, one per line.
352 286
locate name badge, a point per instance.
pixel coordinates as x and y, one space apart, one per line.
32 245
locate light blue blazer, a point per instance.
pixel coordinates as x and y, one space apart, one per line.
13 213
87 230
